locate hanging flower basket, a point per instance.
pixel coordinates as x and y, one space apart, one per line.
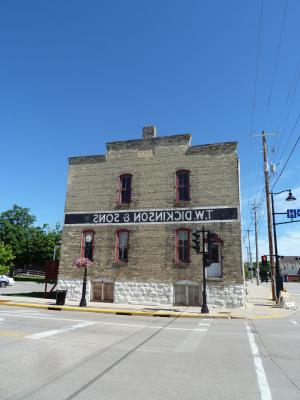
82 262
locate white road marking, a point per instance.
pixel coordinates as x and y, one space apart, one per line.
263 385
84 324
10 314
152 326
294 322
207 319
1 319
27 312
190 343
42 335
21 311
37 317
201 324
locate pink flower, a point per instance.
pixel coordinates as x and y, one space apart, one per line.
82 262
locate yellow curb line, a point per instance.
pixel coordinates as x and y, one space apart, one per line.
142 313
121 311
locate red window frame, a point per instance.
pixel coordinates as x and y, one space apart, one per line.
178 246
117 256
125 192
182 187
83 243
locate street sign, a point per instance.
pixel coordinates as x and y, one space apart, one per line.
293 213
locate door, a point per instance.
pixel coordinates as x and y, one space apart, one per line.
103 292
180 295
193 295
187 295
108 292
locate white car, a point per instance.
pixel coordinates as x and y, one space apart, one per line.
7 279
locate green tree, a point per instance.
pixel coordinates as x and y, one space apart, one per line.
42 242
30 244
17 216
6 257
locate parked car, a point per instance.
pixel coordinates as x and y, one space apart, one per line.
6 280
3 282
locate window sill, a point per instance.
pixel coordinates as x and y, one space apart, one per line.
181 265
182 203
123 205
214 279
119 264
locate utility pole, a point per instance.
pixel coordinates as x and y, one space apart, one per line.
256 243
269 213
250 254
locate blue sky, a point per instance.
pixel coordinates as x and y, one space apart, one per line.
77 74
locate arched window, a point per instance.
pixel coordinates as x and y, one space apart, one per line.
182 250
183 185
122 245
87 245
125 188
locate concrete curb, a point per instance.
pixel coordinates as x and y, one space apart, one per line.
173 314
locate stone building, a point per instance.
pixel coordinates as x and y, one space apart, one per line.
132 212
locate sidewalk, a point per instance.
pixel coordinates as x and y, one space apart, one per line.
259 305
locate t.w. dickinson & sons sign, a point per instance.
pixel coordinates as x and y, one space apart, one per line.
157 216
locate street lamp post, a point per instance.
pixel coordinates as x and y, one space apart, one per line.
83 300
279 280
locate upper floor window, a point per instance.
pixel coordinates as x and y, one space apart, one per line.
183 245
122 241
87 246
183 185
125 188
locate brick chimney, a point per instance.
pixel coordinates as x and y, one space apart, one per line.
149 132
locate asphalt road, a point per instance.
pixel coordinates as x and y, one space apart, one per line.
71 355
23 287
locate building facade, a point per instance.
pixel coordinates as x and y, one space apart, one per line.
290 268
132 212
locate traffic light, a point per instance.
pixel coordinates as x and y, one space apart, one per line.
196 241
208 255
264 261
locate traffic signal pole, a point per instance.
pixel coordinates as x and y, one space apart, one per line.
204 308
206 261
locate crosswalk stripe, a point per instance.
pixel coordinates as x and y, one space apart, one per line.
259 369
190 343
42 335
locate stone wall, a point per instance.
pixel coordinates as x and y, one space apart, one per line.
226 296
143 293
74 289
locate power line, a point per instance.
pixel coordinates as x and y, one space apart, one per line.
290 100
295 145
256 68
290 237
276 62
290 136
